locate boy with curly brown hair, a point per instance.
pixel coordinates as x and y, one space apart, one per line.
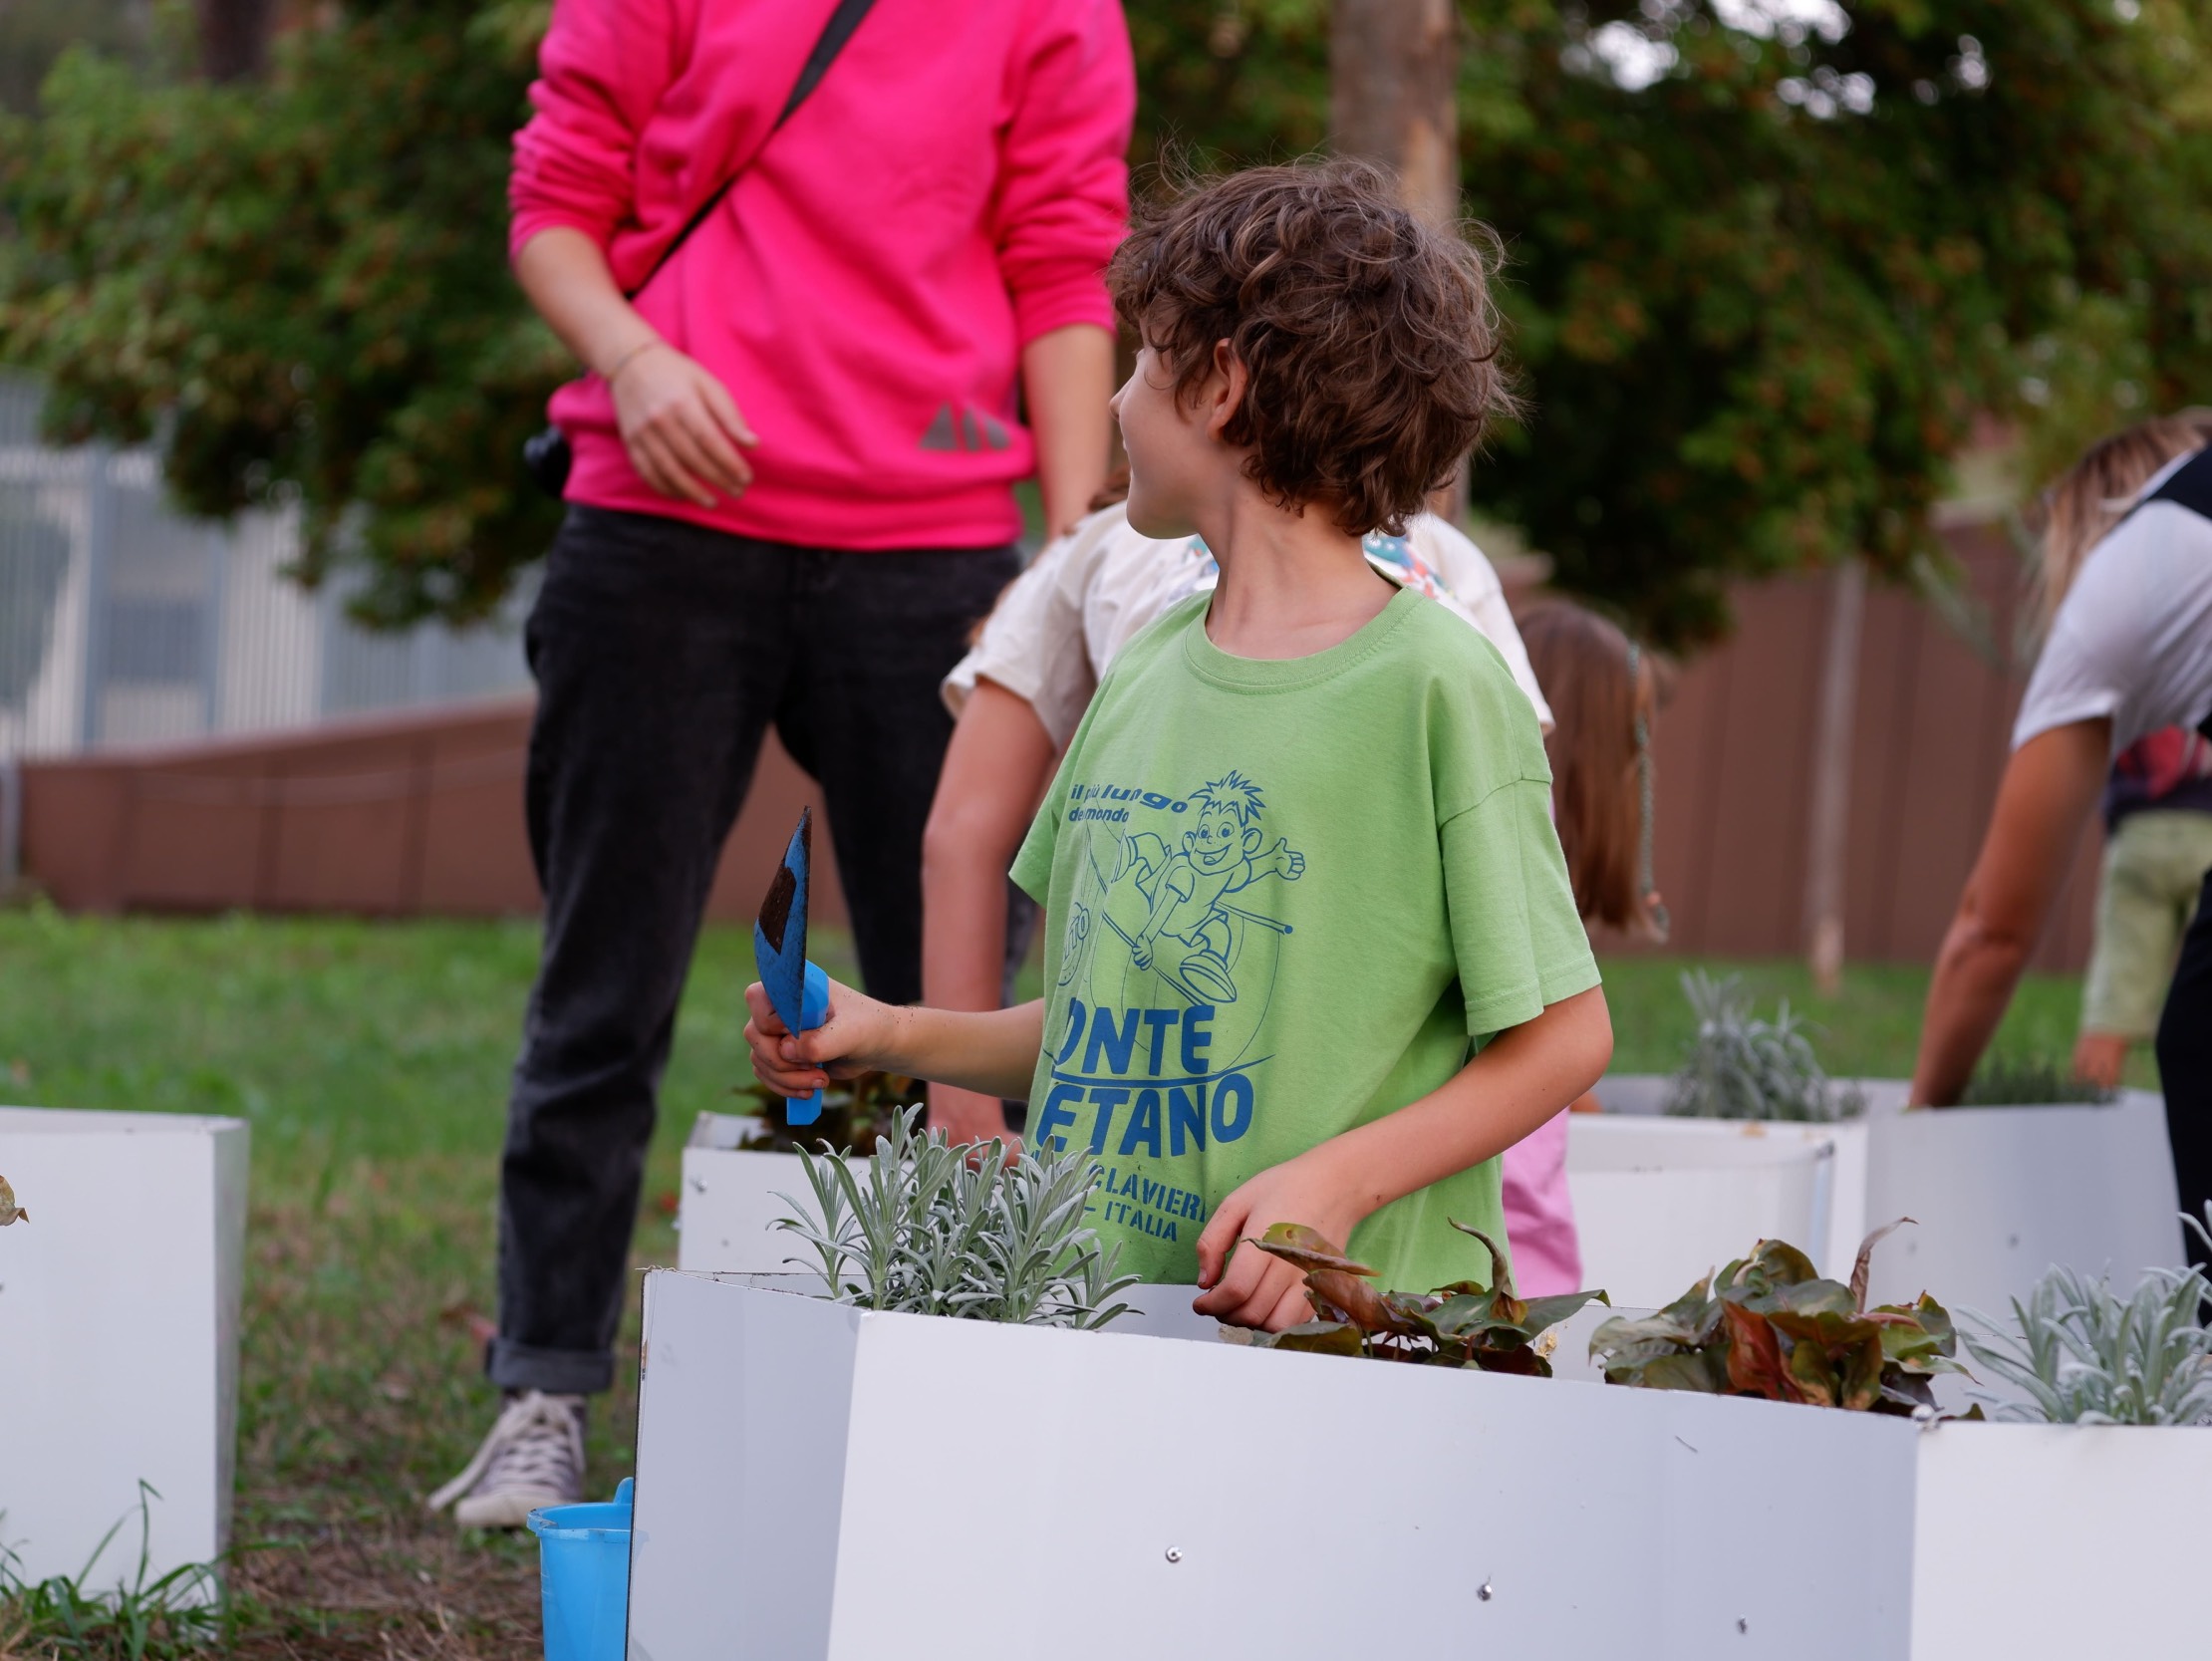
1313 955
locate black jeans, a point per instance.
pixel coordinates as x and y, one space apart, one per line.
662 650
2185 1068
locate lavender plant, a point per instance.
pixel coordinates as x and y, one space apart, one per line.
931 1228
1742 1067
2084 1355
2029 1081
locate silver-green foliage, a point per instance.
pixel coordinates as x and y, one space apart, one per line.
2029 1081
1742 1067
929 1228
2083 1355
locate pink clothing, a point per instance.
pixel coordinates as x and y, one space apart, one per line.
1539 1219
951 190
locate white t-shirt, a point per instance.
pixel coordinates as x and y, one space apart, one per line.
2132 638
1086 595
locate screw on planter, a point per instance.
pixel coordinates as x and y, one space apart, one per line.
1485 1591
1175 1553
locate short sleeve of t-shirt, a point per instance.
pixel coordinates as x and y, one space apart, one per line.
1472 582
1032 643
1015 642
2132 638
1520 943
1071 613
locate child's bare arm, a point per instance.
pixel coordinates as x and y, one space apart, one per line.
996 768
993 1050
1522 1077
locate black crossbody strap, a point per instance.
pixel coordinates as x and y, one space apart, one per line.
835 33
2188 486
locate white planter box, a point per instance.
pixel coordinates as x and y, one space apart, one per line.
2060 1543
727 1211
815 1481
119 1337
1659 1203
2000 1194
2003 1193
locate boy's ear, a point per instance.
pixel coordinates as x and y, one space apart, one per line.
1253 838
1224 390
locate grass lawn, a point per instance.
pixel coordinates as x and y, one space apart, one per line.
371 1061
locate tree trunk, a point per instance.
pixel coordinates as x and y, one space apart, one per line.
1394 71
1828 848
233 37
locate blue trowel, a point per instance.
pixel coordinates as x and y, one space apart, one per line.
798 990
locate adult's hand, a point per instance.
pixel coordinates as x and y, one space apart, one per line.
2049 785
968 1116
680 425
682 429
2101 1058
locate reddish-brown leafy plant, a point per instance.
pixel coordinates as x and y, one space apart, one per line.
855 1111
1767 1325
1465 1324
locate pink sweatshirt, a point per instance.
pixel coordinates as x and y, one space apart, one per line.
951 190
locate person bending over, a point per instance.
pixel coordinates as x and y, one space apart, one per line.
2129 652
2158 847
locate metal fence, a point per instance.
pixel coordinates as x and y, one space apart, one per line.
122 622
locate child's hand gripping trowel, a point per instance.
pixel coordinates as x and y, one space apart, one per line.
798 990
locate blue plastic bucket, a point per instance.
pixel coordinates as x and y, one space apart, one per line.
584 1565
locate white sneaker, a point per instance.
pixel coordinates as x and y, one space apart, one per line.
533 1457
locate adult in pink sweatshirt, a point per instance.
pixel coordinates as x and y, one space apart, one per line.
791 498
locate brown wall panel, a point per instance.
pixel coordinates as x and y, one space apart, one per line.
1938 809
1685 742
74 818
1757 850
201 851
1930 736
424 812
419 813
475 854
1888 659
340 857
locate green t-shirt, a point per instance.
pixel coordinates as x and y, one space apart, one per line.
1284 897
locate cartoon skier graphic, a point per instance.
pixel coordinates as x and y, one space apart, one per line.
1170 905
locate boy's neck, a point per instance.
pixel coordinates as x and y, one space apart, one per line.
1291 584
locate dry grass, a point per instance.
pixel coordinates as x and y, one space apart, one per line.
386 1592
